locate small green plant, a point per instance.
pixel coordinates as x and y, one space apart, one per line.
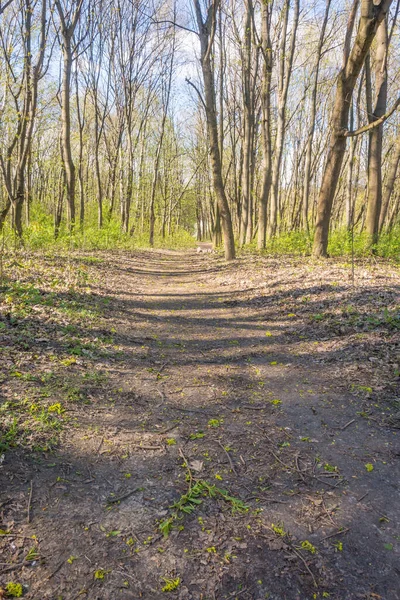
278 529
215 422
338 546
71 559
14 590
306 545
100 574
188 503
369 467
171 442
196 436
32 554
170 584
56 408
330 468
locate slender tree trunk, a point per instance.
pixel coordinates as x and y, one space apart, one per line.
375 136
371 17
206 34
350 175
67 32
389 183
69 166
313 112
248 119
285 72
266 123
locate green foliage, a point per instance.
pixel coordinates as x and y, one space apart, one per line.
40 234
278 529
171 584
188 503
306 545
299 243
14 590
100 574
215 422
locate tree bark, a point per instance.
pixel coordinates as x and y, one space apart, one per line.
376 135
285 72
206 34
370 19
266 49
67 32
310 139
389 183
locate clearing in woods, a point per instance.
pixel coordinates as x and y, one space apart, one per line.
176 427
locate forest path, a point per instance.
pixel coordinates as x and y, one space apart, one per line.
255 375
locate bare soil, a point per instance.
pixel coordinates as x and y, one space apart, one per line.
128 379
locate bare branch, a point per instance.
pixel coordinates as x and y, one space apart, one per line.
197 90
374 124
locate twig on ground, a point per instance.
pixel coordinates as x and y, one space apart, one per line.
305 564
362 497
188 468
58 567
326 482
83 591
161 369
100 445
192 410
123 497
15 567
229 458
299 471
16 535
28 516
331 535
141 447
328 515
236 594
347 425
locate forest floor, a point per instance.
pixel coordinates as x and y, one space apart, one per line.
172 426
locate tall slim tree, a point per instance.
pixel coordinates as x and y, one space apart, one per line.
206 30
376 136
69 16
372 15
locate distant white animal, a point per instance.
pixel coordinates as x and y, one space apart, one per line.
204 248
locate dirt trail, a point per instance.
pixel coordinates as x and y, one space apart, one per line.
253 382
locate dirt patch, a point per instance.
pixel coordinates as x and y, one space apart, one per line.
172 426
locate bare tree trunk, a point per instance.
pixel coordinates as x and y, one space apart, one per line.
370 19
310 139
285 72
248 121
389 183
66 132
160 143
206 34
350 174
266 49
375 136
67 32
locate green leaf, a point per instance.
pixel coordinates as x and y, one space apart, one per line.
388 546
